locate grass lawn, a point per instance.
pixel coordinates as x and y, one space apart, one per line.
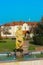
7 45
34 47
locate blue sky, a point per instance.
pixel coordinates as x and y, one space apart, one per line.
24 10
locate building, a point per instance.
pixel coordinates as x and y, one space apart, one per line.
9 29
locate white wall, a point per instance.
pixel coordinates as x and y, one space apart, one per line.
27 27
14 28
10 30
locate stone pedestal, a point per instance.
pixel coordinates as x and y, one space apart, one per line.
19 54
25 47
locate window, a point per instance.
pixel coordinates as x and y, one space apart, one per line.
25 27
6 30
10 27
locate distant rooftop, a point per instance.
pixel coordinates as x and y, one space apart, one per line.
20 23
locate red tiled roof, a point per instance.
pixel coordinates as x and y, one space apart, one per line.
21 23
32 23
18 23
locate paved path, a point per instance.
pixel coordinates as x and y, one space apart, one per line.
25 47
33 62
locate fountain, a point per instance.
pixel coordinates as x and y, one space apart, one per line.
21 50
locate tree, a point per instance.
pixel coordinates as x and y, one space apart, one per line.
42 19
38 33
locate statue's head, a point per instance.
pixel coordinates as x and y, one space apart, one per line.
19 28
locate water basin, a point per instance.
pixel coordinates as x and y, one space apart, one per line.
8 57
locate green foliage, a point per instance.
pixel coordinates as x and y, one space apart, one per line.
38 40
38 34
